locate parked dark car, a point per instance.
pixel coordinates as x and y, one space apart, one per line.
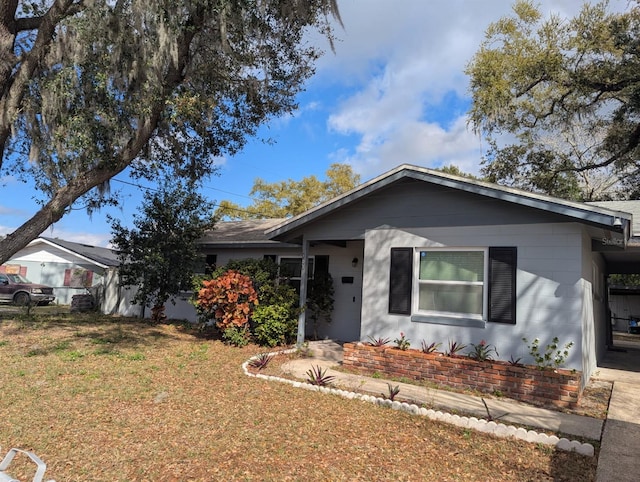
20 291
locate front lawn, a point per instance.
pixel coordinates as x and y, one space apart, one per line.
107 399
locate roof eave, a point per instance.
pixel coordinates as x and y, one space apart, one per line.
69 251
588 214
246 245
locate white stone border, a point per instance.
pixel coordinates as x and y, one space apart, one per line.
498 429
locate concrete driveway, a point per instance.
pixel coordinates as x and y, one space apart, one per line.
620 443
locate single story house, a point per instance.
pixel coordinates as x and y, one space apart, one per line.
73 269
445 258
70 268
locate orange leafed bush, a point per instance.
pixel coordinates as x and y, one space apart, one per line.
229 299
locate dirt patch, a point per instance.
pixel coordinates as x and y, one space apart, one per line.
595 400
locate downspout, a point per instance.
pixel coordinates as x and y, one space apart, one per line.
302 319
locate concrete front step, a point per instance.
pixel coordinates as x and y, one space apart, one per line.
326 350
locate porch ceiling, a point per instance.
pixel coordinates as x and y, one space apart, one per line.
624 261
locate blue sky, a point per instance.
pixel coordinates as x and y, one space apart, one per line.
393 92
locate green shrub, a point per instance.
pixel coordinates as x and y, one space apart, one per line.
273 325
236 335
553 357
274 316
260 271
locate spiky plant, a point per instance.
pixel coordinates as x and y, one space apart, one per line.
260 361
378 341
318 376
393 391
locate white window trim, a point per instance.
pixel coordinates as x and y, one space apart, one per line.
415 292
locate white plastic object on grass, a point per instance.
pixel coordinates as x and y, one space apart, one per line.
5 477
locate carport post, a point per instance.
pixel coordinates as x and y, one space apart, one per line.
303 292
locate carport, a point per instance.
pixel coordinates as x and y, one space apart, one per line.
620 258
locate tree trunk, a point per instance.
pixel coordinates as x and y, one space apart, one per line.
52 211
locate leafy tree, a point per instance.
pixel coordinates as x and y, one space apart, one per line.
89 89
567 93
287 198
456 171
161 253
624 279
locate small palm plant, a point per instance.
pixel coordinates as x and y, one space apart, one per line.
393 391
430 347
317 376
482 351
260 361
379 341
454 348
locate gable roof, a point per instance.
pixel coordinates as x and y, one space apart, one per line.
632 207
103 257
580 212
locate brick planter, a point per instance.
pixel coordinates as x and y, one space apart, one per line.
560 388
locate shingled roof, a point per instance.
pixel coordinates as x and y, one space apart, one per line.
247 233
632 207
105 257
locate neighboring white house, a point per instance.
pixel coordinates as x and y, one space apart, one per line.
445 258
76 268
70 268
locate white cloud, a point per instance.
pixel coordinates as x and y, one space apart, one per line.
419 143
398 61
92 239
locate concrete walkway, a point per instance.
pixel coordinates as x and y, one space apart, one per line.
501 410
620 447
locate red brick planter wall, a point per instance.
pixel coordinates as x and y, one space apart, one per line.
560 388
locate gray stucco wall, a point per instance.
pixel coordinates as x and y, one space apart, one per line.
413 204
550 286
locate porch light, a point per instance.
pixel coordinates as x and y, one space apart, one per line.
617 222
354 262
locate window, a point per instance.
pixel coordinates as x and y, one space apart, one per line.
210 263
597 282
470 285
291 270
451 282
78 278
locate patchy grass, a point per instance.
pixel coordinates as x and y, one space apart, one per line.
109 399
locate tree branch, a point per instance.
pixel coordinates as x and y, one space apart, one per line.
15 86
27 23
80 185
